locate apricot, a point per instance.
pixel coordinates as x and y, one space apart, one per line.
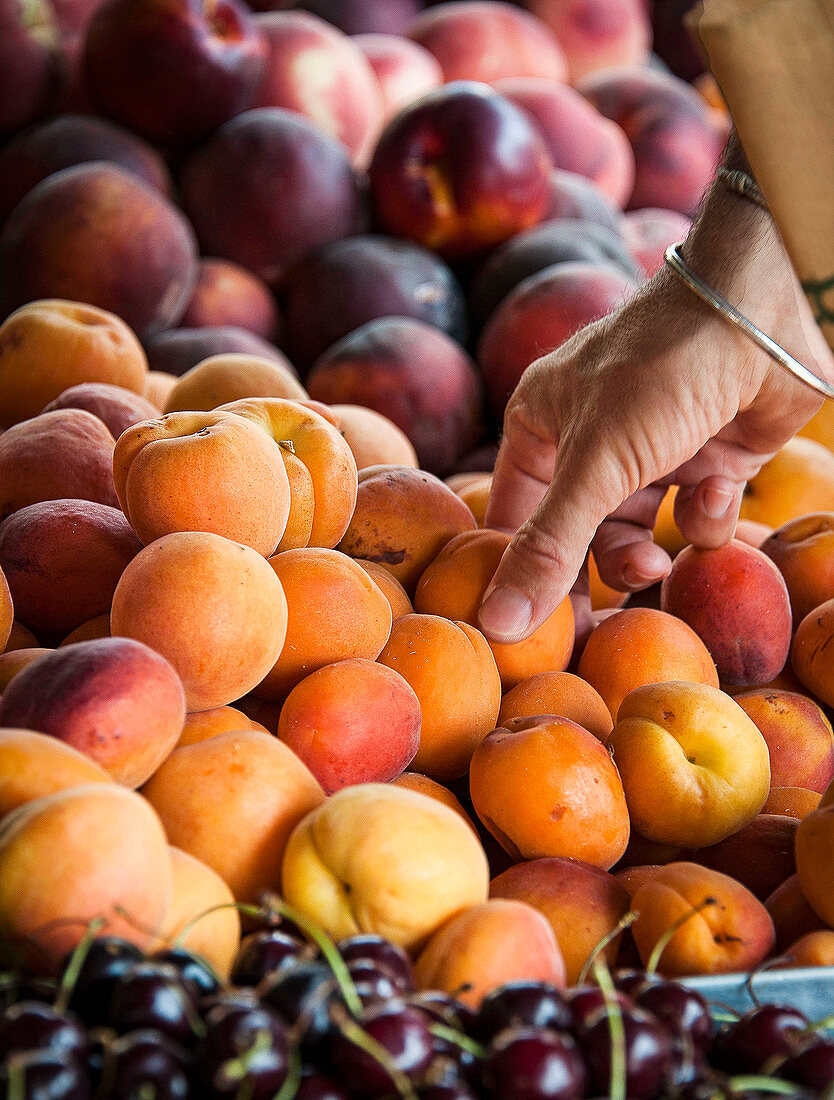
157 388
213 933
232 802
603 597
373 438
334 611
582 903
204 724
233 376
403 518
798 735
114 864
728 930
820 427
791 802
352 722
694 767
638 646
213 608
390 587
559 693
812 949
791 914
377 858
319 464
203 471
34 765
486 946
797 481
544 786
454 584
113 699
7 619
50 345
415 781
814 852
67 454
117 407
19 636
803 550
453 673
666 533
16 661
475 496
63 560
98 627
736 601
812 660
759 856
228 294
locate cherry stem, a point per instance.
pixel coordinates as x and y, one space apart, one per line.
451 1035
16 1079
290 1087
73 967
359 1037
666 938
255 911
624 922
617 1085
825 1024
762 1084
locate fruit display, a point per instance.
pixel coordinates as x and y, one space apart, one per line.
276 819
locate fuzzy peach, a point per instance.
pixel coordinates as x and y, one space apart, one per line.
760 855
791 914
559 693
233 376
228 294
117 407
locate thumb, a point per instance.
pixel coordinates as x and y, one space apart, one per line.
543 560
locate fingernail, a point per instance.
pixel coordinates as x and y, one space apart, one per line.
717 502
505 611
636 578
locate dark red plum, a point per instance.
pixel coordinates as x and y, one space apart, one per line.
179 349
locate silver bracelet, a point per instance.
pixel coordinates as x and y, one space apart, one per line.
741 183
712 298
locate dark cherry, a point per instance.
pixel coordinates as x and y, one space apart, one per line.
446 1009
380 950
373 980
239 998
630 981
649 1054
197 976
812 1065
457 1091
145 1063
33 1025
682 1010
304 995
107 958
402 1031
152 994
761 1034
243 1045
522 1004
47 1076
30 988
526 1063
277 923
265 953
315 1086
586 1003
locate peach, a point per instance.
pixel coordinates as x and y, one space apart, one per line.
314 69
31 73
48 346
232 802
454 584
34 765
759 856
416 376
57 455
803 550
98 234
578 138
812 949
319 464
404 70
791 914
539 314
373 438
377 858
16 661
640 645
798 735
797 481
98 627
179 349
233 376
19 636
596 34
694 767
390 587
791 802
352 722
203 471
403 518
675 142
335 611
453 673
158 386
581 902
255 156
649 233
460 171
573 196
213 608
416 781
812 660
344 285
501 940
356 17
544 786
117 407
7 619
754 534
63 560
562 694
114 864
733 931
736 601
641 852
113 699
205 724
228 294
198 892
